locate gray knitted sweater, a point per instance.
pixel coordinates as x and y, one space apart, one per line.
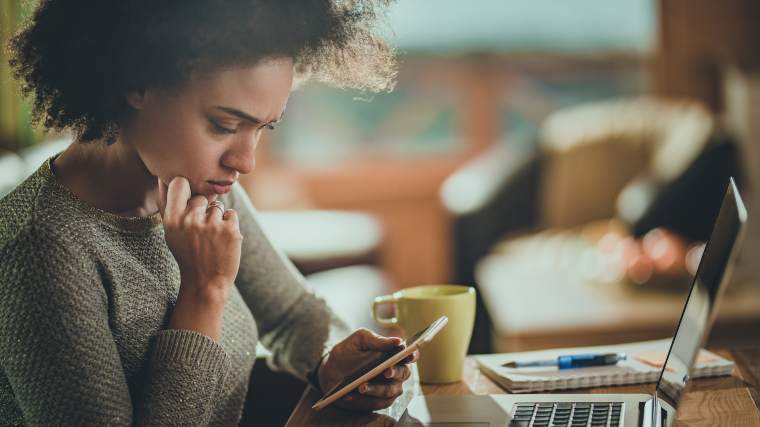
85 299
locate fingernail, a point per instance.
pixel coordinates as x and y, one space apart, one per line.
364 388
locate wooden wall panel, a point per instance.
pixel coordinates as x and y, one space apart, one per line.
697 38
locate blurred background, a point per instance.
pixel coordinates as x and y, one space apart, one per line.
565 158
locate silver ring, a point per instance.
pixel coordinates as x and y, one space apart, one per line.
216 204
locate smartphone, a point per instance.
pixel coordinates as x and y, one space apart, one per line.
379 364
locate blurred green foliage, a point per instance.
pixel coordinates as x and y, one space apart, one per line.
16 131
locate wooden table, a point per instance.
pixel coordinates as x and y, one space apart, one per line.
548 301
721 401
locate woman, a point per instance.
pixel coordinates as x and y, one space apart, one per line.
135 279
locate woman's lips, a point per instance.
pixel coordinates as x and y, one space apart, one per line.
221 187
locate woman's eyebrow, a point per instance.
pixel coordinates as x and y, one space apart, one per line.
242 115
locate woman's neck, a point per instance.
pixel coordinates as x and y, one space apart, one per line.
112 178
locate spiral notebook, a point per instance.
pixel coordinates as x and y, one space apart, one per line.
643 365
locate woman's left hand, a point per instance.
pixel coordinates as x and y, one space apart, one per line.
353 352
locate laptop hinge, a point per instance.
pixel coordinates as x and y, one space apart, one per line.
652 415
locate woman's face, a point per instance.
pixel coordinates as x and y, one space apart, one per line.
208 129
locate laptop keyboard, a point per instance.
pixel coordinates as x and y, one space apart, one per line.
573 414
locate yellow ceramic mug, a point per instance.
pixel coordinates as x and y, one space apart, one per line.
441 360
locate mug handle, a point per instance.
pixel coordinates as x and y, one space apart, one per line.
385 299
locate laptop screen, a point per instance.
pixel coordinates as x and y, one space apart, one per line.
712 275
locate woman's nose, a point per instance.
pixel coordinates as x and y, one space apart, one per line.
242 157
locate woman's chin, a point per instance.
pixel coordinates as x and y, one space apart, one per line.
209 197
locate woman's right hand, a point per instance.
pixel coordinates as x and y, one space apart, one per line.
206 245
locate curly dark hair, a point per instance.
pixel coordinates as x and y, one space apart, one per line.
78 59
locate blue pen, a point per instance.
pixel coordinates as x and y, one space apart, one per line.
572 361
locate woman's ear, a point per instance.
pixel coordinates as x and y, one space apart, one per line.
136 98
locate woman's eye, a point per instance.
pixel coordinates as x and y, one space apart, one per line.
269 126
221 129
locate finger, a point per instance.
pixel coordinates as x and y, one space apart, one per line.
398 372
389 373
388 390
177 196
370 341
231 216
195 212
163 190
406 373
215 211
197 205
411 358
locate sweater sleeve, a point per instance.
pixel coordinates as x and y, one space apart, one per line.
59 355
294 324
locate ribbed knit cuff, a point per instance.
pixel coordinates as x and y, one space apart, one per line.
312 377
178 346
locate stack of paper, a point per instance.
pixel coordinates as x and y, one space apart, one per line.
641 366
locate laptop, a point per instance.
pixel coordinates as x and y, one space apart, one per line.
655 410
